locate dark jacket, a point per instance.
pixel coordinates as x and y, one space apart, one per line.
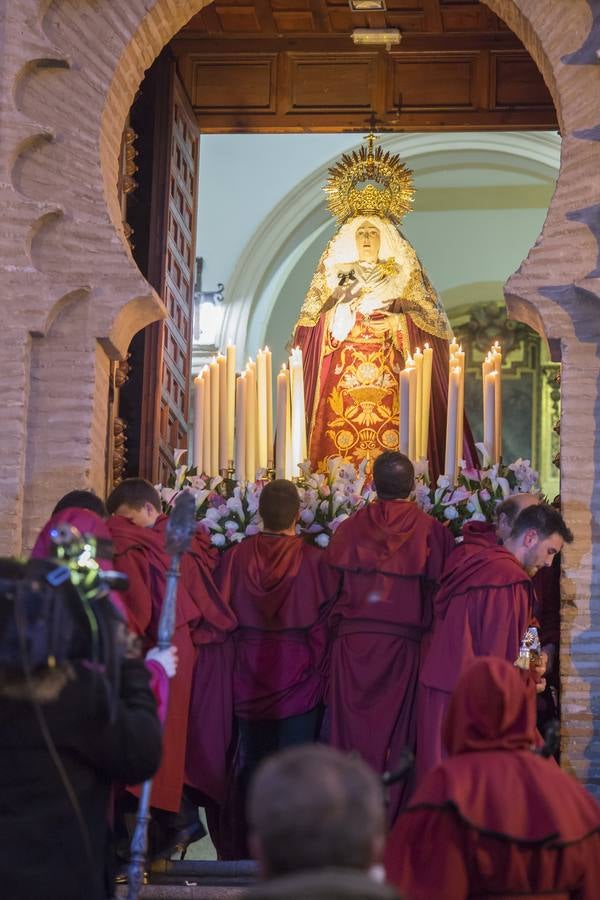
323 884
42 850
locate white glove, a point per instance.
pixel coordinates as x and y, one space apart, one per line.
166 658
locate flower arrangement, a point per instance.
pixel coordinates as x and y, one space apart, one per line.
229 510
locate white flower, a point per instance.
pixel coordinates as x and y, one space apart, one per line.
478 517
443 481
230 525
214 482
421 468
199 496
307 516
504 487
450 512
177 454
168 494
324 506
322 540
218 540
180 474
237 537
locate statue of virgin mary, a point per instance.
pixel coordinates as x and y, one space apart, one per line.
369 306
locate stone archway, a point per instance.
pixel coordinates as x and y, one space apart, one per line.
68 75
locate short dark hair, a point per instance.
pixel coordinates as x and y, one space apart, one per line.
279 504
394 475
81 500
544 519
312 807
133 492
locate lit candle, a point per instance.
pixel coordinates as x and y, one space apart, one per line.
298 413
223 411
240 428
206 444
269 367
427 370
198 423
489 413
453 346
418 360
214 416
261 409
251 421
405 412
460 423
451 424
283 404
231 391
497 360
412 419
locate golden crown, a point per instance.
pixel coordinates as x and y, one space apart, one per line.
369 182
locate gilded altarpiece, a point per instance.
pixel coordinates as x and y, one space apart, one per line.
530 387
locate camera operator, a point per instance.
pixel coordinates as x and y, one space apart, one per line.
76 715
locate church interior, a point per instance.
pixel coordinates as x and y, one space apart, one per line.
169 216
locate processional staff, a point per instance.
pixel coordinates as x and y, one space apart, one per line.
180 530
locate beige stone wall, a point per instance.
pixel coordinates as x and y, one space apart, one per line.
72 296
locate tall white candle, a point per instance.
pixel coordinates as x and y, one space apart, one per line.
460 423
489 413
198 423
497 359
404 412
206 442
427 373
223 411
261 409
251 421
269 367
418 360
231 391
214 416
298 414
240 428
451 424
283 403
412 419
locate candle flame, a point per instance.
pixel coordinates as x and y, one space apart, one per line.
426 346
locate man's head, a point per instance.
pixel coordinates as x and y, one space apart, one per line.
137 500
508 510
368 241
394 476
81 500
279 506
313 807
538 534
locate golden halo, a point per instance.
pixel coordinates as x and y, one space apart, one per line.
388 192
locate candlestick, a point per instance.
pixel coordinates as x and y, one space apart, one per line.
198 406
451 424
404 412
223 411
240 428
231 391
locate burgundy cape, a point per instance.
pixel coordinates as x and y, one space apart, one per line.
495 820
390 554
280 589
483 606
201 618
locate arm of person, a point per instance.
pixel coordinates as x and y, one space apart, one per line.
128 749
425 856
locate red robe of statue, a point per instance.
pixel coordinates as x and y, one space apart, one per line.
494 820
201 618
483 607
391 555
373 406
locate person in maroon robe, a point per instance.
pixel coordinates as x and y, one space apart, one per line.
488 534
137 528
483 607
280 590
390 555
495 819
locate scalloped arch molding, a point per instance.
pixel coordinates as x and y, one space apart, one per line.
103 48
